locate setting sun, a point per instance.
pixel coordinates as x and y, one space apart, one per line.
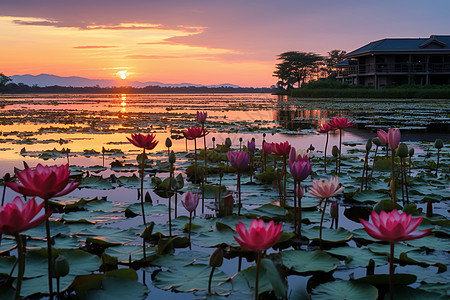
122 74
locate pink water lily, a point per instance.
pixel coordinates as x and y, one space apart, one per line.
44 181
238 159
201 116
194 132
300 170
326 188
16 216
393 227
143 141
325 128
267 148
190 201
281 149
251 146
341 123
258 237
383 136
393 137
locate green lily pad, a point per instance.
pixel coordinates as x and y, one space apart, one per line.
6 293
408 293
7 245
105 206
358 257
370 197
37 285
149 209
432 259
383 279
385 249
92 217
215 238
118 288
107 236
302 261
61 242
123 253
443 289
182 258
188 278
96 182
338 290
328 235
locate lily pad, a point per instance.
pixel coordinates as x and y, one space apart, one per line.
338 290
302 261
408 293
188 278
358 257
124 253
339 235
118 288
370 197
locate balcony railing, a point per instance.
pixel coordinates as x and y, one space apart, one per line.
383 68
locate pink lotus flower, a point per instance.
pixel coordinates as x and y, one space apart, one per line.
45 182
251 146
201 116
267 148
383 136
300 170
143 141
238 159
341 123
299 155
325 188
16 216
281 149
393 227
194 132
324 128
190 201
393 136
258 237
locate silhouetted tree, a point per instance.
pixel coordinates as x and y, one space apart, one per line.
334 57
3 81
295 67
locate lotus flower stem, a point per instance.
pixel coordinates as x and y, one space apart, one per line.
373 165
4 191
186 144
190 224
239 191
325 154
284 181
49 252
321 223
393 185
57 287
220 187
210 279
364 173
251 167
21 260
402 182
204 171
391 272
258 264
340 150
295 205
142 186
437 163
405 180
195 161
299 207
169 190
176 202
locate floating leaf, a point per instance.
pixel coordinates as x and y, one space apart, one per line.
302 261
328 235
338 290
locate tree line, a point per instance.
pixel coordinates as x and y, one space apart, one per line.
298 67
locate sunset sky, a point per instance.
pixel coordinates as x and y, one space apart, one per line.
200 41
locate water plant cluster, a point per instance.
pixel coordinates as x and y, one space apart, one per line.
234 221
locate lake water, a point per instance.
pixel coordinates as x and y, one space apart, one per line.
33 125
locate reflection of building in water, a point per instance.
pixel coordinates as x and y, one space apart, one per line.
293 118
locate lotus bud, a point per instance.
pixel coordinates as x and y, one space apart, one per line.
377 142
216 258
213 139
378 207
264 135
438 144
147 233
168 143
335 151
221 174
172 158
61 266
240 140
228 142
411 152
334 210
402 150
368 145
7 177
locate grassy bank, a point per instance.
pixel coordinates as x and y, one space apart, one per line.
333 89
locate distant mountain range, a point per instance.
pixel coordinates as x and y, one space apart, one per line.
43 80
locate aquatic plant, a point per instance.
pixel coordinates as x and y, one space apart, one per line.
282 150
190 203
239 160
45 182
258 238
324 189
201 118
393 227
341 124
325 128
16 217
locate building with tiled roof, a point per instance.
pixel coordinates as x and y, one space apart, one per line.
397 61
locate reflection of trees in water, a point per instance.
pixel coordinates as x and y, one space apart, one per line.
293 118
